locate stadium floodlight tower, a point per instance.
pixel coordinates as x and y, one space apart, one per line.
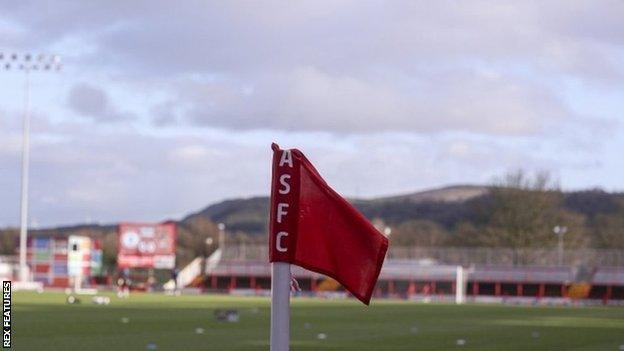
27 63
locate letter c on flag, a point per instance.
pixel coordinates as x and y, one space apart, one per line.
278 242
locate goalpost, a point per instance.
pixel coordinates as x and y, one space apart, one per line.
460 285
396 270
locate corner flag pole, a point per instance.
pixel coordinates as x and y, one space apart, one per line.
280 306
306 211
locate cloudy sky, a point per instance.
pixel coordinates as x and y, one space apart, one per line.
163 107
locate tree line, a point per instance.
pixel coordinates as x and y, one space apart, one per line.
519 210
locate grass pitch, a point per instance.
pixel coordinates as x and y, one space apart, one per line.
158 322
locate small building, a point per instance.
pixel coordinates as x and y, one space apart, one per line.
53 260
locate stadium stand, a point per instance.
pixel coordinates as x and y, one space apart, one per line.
410 272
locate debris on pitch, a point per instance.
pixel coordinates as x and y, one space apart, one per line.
230 316
72 300
101 300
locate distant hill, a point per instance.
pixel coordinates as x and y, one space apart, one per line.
250 215
244 215
445 206
457 193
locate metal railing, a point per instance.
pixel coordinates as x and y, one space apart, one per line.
466 256
511 257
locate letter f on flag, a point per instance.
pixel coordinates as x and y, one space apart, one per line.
315 228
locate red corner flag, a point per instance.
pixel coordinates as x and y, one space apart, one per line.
315 228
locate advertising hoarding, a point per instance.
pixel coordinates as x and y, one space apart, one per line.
144 245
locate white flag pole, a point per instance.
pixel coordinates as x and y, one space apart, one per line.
280 306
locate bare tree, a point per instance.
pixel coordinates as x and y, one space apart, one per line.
521 211
609 229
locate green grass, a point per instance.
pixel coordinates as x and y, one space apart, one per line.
46 322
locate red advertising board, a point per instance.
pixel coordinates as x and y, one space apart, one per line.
144 245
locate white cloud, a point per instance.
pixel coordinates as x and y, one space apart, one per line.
90 101
310 99
117 175
385 97
484 67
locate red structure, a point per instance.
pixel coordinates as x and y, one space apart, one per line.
404 278
146 245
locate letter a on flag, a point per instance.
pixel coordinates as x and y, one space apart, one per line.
315 228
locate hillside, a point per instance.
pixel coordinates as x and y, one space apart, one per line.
446 209
456 193
249 215
455 214
439 205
